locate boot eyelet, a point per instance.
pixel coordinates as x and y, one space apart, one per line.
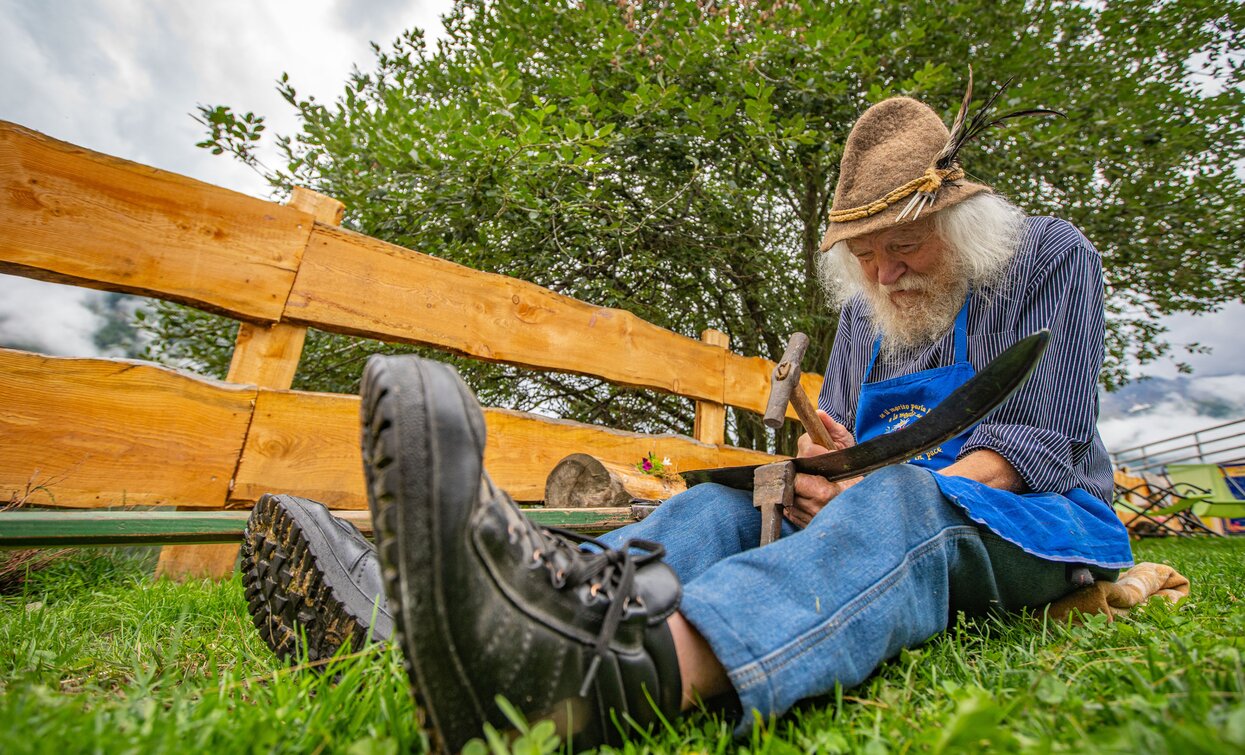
596 588
536 556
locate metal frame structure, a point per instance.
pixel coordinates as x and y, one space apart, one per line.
1223 443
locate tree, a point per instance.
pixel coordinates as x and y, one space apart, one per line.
677 160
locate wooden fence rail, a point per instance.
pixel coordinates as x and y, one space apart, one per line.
90 433
70 215
95 433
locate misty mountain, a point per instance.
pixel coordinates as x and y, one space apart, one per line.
1155 409
1219 397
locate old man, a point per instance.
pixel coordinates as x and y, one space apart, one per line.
936 275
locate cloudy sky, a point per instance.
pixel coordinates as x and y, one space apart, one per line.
123 76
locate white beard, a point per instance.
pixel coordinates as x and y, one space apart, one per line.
920 320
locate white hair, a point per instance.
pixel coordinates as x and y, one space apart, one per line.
981 233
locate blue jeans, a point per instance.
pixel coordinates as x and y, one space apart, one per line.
884 566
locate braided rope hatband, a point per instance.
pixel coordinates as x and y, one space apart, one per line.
929 182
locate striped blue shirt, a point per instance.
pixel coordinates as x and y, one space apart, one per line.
1048 428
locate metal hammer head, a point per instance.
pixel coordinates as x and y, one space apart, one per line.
785 379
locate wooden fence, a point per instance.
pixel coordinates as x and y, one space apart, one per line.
92 433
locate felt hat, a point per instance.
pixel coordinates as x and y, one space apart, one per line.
890 171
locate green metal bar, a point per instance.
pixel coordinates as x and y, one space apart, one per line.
45 528
582 520
36 529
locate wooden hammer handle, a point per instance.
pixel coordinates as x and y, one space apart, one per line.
808 417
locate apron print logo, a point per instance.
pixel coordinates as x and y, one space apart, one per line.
900 416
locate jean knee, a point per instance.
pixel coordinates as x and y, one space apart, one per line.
901 492
903 478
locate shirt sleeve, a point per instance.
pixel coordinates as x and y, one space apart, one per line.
836 391
1048 426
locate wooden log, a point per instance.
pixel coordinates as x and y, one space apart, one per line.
71 215
88 433
581 481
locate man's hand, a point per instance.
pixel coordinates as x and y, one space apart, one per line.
813 492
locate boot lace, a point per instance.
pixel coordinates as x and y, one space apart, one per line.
608 571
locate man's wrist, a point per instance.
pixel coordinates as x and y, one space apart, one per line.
990 468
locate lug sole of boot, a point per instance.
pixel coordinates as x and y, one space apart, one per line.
293 596
407 496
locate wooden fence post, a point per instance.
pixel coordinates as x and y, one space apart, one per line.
710 424
265 356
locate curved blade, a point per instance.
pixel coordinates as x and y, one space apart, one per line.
965 407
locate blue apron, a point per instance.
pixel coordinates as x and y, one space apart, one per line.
1074 526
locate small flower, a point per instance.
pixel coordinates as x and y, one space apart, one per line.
650 465
665 462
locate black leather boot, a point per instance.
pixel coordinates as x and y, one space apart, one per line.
488 603
308 574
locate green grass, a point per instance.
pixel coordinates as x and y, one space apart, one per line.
96 656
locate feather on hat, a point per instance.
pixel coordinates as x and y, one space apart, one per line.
901 161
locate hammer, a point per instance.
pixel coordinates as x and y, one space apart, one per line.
785 388
773 487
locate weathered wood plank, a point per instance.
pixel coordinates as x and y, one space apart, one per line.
351 283
710 424
86 433
308 444
90 433
68 214
43 528
265 356
305 444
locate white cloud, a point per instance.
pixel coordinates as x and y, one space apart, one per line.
123 78
1202 403
1228 389
1221 331
47 317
